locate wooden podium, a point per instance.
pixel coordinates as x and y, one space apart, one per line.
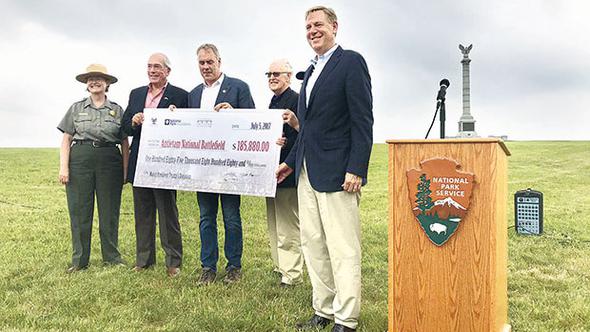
460 285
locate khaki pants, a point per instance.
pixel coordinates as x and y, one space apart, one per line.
331 243
284 235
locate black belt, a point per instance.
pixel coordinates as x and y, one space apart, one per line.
96 144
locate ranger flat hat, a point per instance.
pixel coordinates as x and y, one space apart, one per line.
99 70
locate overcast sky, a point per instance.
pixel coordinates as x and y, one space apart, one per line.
530 69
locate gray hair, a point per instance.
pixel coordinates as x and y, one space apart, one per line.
285 63
211 47
167 62
288 66
165 59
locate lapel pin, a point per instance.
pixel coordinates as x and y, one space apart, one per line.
112 113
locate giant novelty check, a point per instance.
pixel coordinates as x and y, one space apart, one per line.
229 152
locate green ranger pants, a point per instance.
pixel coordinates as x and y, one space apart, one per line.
95 171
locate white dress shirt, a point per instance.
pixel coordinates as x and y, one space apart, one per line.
319 62
209 95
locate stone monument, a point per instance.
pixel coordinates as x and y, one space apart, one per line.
467 122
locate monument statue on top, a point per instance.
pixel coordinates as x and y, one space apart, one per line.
467 122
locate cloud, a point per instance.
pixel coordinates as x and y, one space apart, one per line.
529 61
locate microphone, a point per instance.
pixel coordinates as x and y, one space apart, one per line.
440 105
444 84
300 75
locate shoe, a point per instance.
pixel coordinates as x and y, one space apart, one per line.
138 268
207 276
173 272
316 322
233 275
341 328
73 269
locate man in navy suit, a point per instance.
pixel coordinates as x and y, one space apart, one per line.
157 94
219 92
331 159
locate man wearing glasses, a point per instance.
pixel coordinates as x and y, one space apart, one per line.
331 159
281 211
147 201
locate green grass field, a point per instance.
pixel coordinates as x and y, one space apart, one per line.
548 286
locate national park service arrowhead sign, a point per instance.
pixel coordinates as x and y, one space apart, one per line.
440 195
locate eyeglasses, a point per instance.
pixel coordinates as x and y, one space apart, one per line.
275 73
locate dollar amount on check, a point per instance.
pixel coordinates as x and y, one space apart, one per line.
230 152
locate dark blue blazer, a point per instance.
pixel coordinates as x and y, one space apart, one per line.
233 91
172 96
336 128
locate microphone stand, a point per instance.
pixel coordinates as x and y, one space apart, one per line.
442 118
440 106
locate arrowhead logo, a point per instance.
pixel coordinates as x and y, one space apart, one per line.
440 196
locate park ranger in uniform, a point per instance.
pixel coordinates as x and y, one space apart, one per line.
92 164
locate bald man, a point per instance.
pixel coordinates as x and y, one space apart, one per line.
282 210
147 201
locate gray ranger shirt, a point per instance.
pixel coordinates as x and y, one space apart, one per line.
86 122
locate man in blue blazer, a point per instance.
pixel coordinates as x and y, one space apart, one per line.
157 94
331 159
219 91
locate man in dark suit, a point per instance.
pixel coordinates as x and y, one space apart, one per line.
157 94
219 92
330 159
